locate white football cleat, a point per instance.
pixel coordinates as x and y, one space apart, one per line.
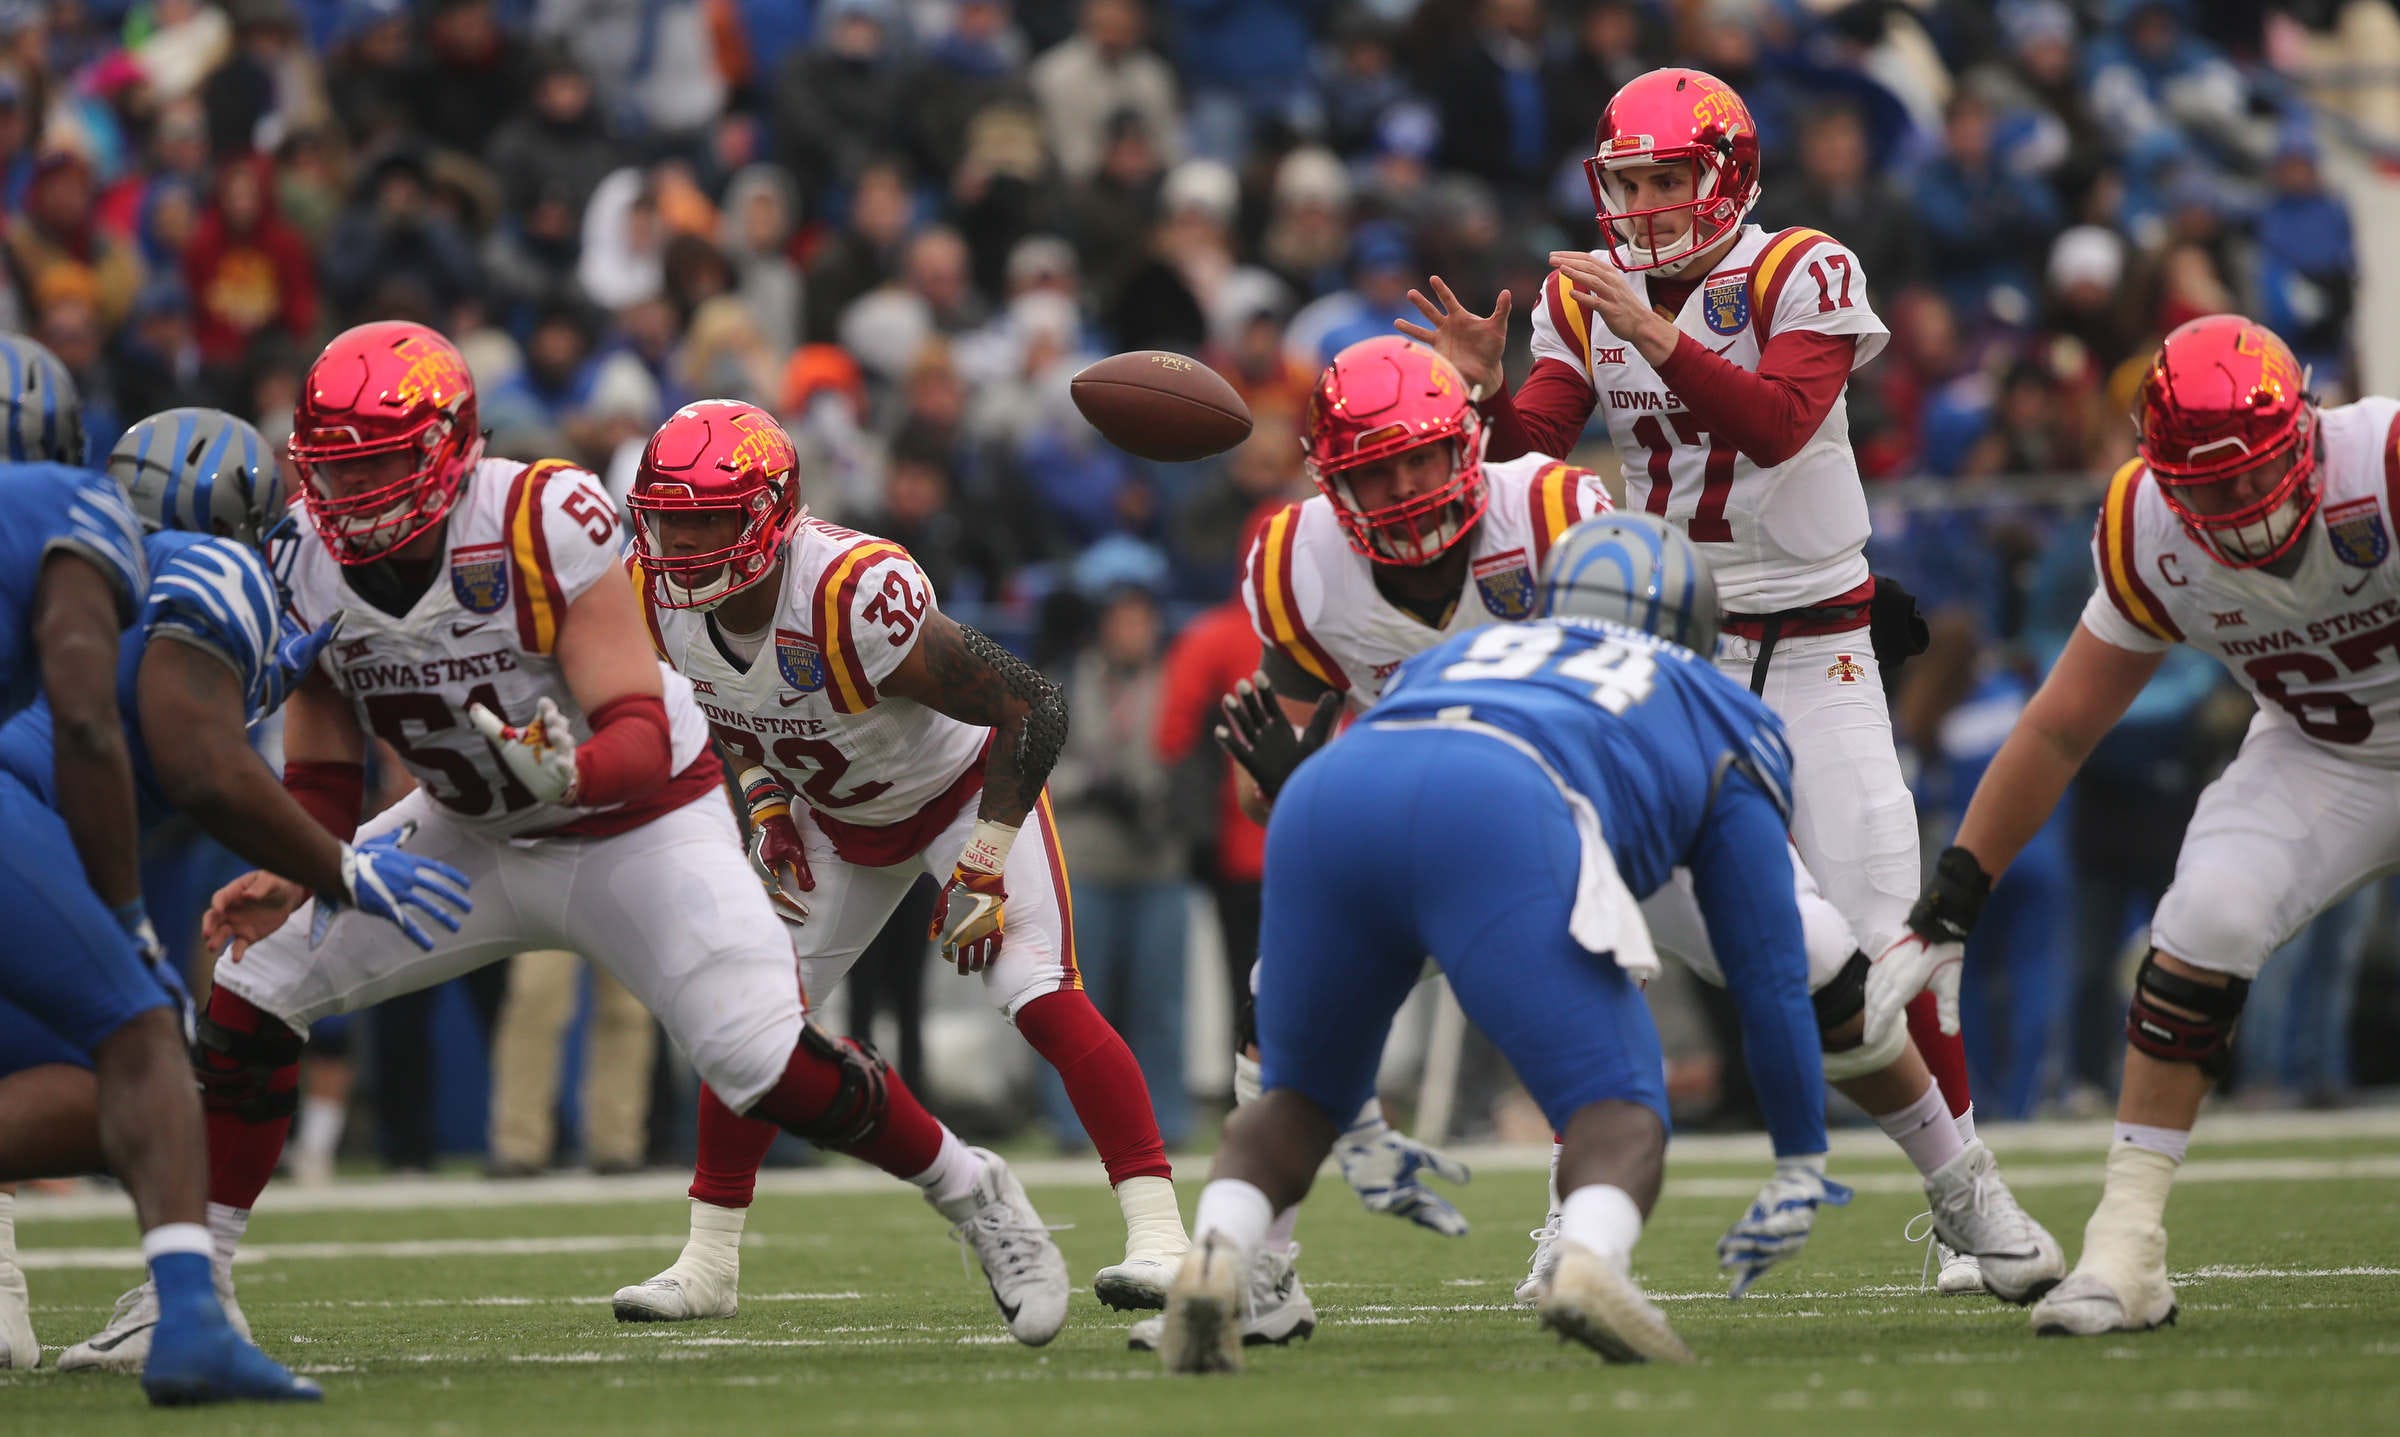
1598 1306
1140 1281
1974 1212
19 1351
1028 1276
124 1344
1961 1272
1202 1328
2119 1286
700 1284
1545 1262
1275 1307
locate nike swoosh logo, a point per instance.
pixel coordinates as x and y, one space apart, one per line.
1728 344
2349 589
787 700
460 631
120 1339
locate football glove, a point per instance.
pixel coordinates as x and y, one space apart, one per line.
295 654
541 754
1261 740
379 877
972 910
1928 955
1384 1166
1778 1222
776 850
134 918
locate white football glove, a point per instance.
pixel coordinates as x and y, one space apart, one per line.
1911 966
1383 1166
1778 1222
541 754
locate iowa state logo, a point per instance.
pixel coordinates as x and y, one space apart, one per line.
1506 583
1725 303
800 661
479 577
1844 670
2356 529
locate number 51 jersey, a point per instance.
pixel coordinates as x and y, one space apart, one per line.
523 542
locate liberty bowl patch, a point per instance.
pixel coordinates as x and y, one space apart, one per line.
479 577
1725 303
1506 583
800 661
2356 529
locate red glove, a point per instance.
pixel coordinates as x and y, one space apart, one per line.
776 850
970 914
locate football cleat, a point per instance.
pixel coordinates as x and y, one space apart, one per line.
1139 1282
19 1351
1275 1307
1961 1273
1027 1274
1974 1212
1202 1328
199 1359
2120 1286
1600 1307
696 1286
1545 1262
124 1344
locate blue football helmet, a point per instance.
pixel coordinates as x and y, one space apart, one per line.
1636 570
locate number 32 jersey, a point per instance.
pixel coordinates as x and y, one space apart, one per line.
2321 649
876 770
523 542
1778 538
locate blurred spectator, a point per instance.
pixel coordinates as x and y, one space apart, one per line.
156 360
1495 109
761 211
2307 275
1244 63
1837 191
866 251
69 323
1131 905
268 85
694 272
390 242
1608 47
558 146
1308 233
845 100
1086 83
1110 215
1982 224
247 269
652 61
2085 300
186 40
371 79
2155 84
976 63
2038 97
2297 1034
1382 268
964 556
476 75
531 259
623 242
725 356
528 1041
55 241
558 374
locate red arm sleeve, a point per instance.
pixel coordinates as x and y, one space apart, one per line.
1545 416
627 755
331 793
1770 414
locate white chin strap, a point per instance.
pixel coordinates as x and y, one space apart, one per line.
377 532
1429 543
702 597
2253 542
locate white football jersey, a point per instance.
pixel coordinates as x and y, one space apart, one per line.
522 543
1314 597
808 707
2319 650
1780 538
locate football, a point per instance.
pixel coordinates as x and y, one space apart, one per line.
1161 406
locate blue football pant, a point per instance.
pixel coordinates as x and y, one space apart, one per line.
66 968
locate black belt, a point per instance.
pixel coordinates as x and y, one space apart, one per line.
1771 627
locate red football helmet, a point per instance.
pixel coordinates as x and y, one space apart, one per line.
1661 118
390 387
716 456
2225 397
1378 399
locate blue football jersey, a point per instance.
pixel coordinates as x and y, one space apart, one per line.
1645 728
45 508
213 593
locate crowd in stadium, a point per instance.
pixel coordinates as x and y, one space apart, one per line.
901 225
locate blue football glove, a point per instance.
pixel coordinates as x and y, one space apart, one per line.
1383 1166
295 654
1778 1222
134 918
385 880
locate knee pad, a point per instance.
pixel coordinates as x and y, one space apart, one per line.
2165 1033
237 1070
1840 1000
856 1110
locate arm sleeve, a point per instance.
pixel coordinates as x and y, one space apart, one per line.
871 604
1768 415
1548 411
1742 873
218 597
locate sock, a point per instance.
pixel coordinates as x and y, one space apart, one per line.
949 1181
225 1228
243 1151
1279 1232
1603 1218
1944 1053
1965 1122
320 1129
1102 1080
905 1140
1247 1084
2133 1199
178 1255
1922 1133
8 1226
725 1170
1236 1211
1556 1148
2169 1143
1152 1220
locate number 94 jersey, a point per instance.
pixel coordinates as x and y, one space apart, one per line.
2321 649
808 707
523 542
1644 727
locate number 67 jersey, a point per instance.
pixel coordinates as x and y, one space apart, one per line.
523 542
2321 649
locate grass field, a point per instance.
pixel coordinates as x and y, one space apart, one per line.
465 1308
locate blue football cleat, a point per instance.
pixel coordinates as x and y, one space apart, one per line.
201 1359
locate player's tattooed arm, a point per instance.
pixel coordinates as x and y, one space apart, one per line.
962 672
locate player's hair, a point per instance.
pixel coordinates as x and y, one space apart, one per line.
1636 570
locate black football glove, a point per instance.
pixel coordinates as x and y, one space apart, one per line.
1261 740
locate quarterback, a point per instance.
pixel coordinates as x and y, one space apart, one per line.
2256 526
878 740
